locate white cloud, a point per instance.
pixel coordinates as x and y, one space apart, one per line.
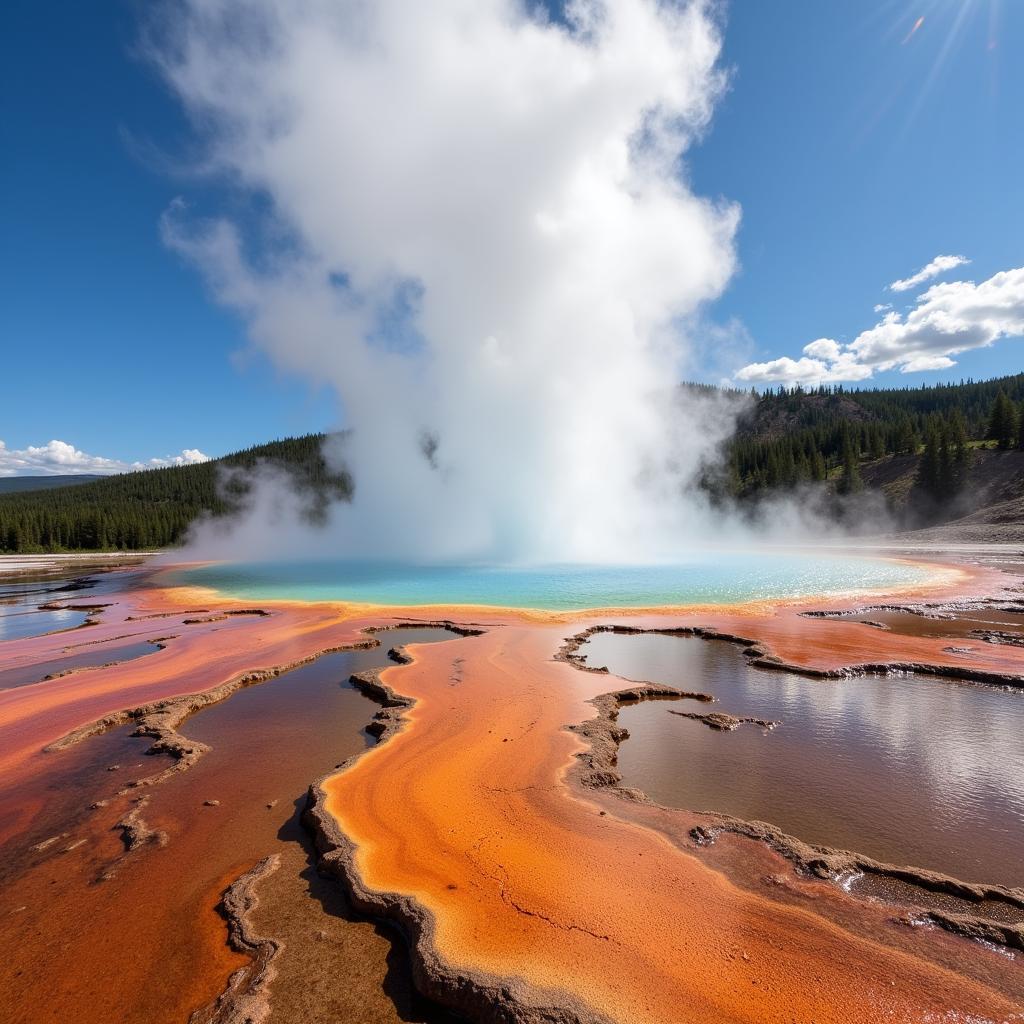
188 457
948 319
921 363
783 370
823 348
803 371
939 265
58 458
881 307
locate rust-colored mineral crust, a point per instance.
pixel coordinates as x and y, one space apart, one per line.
487 823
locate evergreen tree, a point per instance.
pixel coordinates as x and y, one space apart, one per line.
960 452
153 508
877 442
1002 422
907 440
818 470
850 482
928 481
785 437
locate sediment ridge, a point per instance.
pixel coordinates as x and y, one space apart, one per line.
160 719
478 995
246 1000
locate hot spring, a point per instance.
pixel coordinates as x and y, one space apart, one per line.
712 577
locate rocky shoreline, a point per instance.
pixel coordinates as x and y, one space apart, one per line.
755 651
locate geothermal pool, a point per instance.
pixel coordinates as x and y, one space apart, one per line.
716 577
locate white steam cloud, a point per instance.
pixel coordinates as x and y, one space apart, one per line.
478 231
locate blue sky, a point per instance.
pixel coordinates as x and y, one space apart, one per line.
858 150
858 155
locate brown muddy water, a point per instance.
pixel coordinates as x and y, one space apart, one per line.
907 770
136 937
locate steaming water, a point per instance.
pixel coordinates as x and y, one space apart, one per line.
717 577
909 770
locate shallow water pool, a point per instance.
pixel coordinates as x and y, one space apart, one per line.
908 770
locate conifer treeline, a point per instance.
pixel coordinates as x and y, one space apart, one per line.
153 508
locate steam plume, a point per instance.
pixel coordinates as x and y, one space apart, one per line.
478 231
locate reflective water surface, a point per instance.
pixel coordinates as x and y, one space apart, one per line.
972 626
88 656
15 625
906 770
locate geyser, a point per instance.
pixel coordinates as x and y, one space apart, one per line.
474 224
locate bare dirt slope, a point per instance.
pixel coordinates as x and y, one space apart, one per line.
989 510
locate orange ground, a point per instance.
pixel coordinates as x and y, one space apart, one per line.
469 811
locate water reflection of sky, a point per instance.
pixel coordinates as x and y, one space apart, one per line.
905 769
15 625
20 615
86 656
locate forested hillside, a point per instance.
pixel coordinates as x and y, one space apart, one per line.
153 508
845 437
933 453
